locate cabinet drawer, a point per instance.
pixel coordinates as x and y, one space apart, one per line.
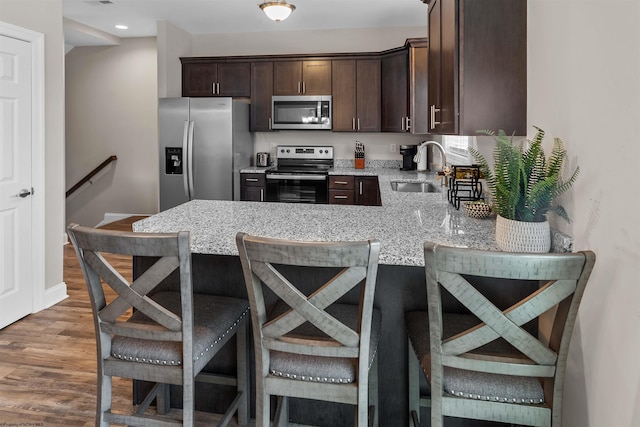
341 197
340 182
253 179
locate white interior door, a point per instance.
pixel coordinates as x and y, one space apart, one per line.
16 267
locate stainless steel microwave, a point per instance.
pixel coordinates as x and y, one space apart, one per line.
301 112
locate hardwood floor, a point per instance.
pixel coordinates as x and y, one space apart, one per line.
48 359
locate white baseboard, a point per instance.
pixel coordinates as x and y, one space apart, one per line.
54 295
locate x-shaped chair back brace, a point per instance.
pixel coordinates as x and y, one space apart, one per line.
505 324
169 326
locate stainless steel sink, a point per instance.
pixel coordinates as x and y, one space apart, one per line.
414 187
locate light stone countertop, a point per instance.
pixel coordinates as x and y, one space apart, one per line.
402 224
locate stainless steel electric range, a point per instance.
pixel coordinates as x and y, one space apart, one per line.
300 175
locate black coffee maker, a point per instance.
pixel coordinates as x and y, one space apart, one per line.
408 152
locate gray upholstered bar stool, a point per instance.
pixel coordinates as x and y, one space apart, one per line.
170 337
486 365
309 346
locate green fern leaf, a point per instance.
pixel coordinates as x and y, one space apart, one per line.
524 183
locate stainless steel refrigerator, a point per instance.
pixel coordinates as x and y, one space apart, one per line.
204 143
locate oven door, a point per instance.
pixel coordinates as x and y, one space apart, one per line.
297 188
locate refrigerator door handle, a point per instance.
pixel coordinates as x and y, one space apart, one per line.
190 160
185 148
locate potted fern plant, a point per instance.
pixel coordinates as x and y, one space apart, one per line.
523 186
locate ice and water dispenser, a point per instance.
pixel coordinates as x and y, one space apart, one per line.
173 160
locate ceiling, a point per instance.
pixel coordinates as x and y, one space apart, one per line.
92 22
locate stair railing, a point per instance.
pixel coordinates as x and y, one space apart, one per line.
91 174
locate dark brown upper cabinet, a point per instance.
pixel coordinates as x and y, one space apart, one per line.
418 80
477 66
395 116
470 74
356 86
302 77
404 88
261 91
210 78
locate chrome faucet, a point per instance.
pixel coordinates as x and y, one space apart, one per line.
440 147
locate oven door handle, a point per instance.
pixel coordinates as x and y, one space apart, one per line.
298 177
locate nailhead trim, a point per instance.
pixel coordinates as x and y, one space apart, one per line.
310 378
179 362
496 398
223 335
324 379
478 397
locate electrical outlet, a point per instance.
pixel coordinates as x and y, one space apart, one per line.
392 148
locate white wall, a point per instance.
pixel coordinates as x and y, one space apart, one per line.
45 16
303 42
173 43
584 87
111 109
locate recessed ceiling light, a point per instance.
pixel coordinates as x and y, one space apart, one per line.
122 27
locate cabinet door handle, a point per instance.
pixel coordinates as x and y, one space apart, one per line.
270 123
361 188
408 124
213 88
262 195
353 123
358 123
218 88
340 182
339 197
432 116
251 179
299 87
304 88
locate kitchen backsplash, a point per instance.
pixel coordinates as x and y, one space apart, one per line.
378 146
375 164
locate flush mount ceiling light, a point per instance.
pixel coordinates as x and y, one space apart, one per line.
277 10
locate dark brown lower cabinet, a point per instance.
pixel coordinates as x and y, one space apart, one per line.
354 190
252 187
367 191
341 190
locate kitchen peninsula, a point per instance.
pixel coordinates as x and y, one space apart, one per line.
402 224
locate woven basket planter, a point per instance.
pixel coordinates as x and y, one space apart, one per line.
520 236
477 210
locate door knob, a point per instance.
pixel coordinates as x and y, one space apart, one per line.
24 193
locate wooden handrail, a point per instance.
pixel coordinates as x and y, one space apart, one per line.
91 175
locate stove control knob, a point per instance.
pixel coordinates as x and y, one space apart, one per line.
288 151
